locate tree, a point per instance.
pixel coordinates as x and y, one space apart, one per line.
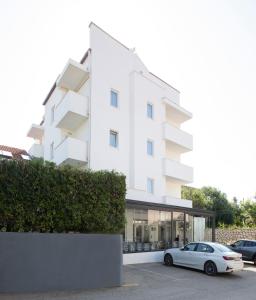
248 213
218 202
196 195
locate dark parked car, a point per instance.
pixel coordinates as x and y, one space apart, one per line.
247 248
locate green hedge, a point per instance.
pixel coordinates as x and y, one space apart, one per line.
38 196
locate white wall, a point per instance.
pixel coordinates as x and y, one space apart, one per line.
109 70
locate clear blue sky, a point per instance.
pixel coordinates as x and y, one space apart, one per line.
206 49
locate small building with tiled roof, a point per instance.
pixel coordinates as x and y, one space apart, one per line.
13 153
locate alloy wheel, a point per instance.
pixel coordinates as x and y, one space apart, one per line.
210 268
168 261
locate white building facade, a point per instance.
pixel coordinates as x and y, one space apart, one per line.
109 112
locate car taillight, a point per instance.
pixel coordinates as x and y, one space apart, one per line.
228 257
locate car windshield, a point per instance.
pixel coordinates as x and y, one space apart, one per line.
222 248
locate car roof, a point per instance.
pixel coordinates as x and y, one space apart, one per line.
246 240
207 243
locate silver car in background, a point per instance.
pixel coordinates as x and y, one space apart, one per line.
212 258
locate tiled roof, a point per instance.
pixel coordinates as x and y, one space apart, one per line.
16 152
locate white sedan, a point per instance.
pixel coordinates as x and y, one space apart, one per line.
212 258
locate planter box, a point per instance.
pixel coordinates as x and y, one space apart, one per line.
34 262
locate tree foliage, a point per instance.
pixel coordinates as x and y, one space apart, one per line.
39 196
227 212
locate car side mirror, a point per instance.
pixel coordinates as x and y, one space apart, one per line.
182 249
233 245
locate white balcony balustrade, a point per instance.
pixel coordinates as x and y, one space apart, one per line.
71 112
36 132
71 151
177 171
178 138
176 113
37 150
73 76
177 201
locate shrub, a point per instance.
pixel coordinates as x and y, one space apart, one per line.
39 196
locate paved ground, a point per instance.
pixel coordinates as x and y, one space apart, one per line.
155 281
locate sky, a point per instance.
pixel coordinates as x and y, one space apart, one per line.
204 48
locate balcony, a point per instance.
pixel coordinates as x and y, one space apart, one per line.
177 201
176 113
71 112
73 76
36 132
177 171
178 138
71 151
37 150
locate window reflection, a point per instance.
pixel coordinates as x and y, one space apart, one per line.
178 229
152 230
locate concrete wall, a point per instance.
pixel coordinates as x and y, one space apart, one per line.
144 257
32 262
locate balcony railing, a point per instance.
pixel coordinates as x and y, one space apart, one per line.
71 112
179 138
37 150
175 112
73 76
71 151
177 171
36 132
177 201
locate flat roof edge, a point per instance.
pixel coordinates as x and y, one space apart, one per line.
170 207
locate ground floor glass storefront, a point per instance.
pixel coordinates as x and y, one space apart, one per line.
157 228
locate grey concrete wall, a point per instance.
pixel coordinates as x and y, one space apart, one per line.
32 262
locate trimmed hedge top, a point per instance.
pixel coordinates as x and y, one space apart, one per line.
39 196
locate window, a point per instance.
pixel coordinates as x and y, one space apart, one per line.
113 138
52 114
204 248
190 247
150 110
150 147
51 150
114 98
239 244
221 248
150 185
249 244
154 229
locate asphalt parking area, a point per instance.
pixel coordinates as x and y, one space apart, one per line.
156 281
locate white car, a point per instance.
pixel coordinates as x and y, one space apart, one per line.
212 258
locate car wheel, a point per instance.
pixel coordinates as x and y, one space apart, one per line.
168 261
210 268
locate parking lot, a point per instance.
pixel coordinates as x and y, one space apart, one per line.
155 281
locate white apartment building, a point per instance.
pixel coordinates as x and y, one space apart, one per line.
109 112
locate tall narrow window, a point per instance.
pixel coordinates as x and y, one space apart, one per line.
150 185
114 98
113 138
52 150
52 114
150 112
150 147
